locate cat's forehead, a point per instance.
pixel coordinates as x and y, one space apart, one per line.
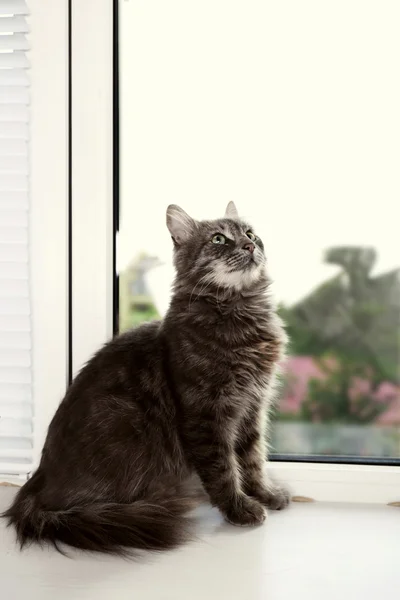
229 227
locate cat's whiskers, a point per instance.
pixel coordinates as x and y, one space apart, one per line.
195 286
218 288
204 287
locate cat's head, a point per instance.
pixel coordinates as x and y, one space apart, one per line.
226 252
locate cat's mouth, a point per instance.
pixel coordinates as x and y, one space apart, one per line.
250 260
246 264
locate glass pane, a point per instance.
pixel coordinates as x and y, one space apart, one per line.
291 110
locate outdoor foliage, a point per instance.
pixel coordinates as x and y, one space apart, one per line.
351 325
337 399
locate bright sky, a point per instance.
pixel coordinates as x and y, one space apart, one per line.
288 108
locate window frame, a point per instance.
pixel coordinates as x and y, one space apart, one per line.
49 193
92 176
95 110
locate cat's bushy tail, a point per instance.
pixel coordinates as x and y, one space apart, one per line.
157 523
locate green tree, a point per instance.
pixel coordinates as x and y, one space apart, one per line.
354 317
353 314
136 305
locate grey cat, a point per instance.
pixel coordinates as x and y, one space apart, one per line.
185 396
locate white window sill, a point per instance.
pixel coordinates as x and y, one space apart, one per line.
310 551
370 484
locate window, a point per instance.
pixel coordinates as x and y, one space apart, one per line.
254 103
260 106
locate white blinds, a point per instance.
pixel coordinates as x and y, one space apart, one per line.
16 417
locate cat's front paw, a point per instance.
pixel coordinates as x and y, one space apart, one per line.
245 513
275 498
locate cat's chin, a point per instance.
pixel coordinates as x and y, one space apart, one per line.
239 279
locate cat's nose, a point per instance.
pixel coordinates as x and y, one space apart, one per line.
250 247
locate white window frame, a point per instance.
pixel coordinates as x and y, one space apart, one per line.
92 176
49 209
93 249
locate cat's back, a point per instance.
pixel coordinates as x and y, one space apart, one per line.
123 356
119 382
115 428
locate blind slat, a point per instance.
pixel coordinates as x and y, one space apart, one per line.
15 410
15 7
13 235
10 454
13 24
9 270
10 375
17 253
14 306
15 392
13 218
13 323
15 358
14 112
13 60
17 41
9 468
11 288
14 76
17 165
10 182
18 131
24 440
10 148
16 340
13 199
14 94
13 427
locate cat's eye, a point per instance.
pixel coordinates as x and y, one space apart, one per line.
218 238
251 236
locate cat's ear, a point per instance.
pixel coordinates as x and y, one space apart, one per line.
180 225
231 211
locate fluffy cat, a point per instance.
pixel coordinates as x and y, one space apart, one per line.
187 395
